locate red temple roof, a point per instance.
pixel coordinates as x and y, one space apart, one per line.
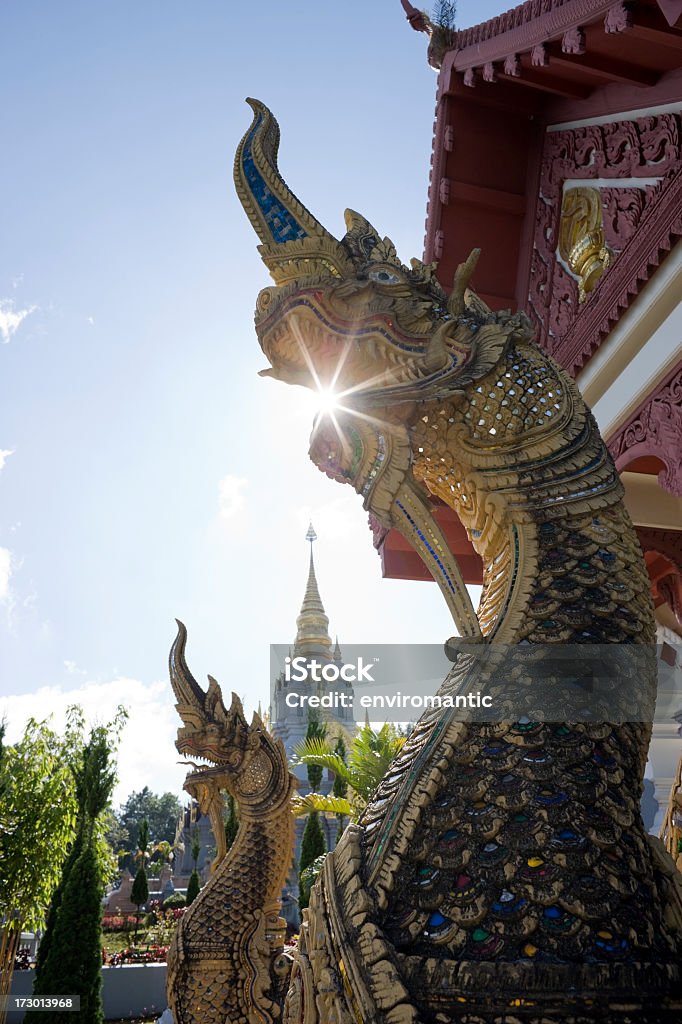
526 101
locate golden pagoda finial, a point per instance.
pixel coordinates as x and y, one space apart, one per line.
312 636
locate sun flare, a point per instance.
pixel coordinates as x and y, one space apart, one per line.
326 401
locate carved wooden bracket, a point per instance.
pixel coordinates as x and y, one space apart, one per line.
655 429
618 19
539 57
512 65
573 41
640 225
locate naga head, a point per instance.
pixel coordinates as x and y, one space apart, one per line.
222 748
375 338
346 318
243 759
212 734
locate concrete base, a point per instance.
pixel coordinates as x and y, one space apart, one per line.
134 990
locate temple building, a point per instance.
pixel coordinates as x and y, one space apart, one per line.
557 149
289 715
192 822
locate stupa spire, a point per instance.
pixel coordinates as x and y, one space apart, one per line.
312 624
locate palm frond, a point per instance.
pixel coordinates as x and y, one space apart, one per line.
324 804
317 751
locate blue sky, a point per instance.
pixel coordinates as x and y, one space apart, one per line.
148 472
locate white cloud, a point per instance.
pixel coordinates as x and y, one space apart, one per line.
11 318
73 669
147 754
5 572
4 455
231 497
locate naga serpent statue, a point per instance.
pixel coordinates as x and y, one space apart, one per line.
501 872
226 963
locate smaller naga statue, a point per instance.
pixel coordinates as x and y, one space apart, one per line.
226 963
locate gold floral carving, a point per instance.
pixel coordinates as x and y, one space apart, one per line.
581 237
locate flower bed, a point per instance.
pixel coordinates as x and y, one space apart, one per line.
118 922
136 955
25 960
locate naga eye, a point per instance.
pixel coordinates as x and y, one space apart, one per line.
384 277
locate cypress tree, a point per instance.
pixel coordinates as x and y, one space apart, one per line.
340 786
316 730
312 847
73 960
231 820
140 891
194 886
73 965
56 901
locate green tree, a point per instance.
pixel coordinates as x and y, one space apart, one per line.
37 824
84 761
194 885
312 847
308 878
73 966
160 811
316 732
231 820
193 888
140 891
72 963
340 786
367 761
161 854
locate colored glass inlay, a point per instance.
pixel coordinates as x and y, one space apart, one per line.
281 223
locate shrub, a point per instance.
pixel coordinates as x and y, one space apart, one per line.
308 878
312 847
176 900
193 888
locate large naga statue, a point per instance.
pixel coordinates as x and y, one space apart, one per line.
502 872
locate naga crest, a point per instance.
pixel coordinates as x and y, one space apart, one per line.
346 318
224 751
226 960
210 732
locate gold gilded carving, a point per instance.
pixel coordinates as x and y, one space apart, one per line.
671 829
226 963
581 237
501 870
